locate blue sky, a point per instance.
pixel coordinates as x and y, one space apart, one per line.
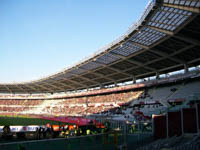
40 37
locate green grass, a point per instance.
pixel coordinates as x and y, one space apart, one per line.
6 120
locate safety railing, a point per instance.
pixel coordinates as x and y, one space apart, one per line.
107 141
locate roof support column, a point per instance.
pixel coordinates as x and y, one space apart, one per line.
101 86
134 79
157 75
185 68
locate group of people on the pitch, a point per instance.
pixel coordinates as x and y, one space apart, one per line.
80 131
65 131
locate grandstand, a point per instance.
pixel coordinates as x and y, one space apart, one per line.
152 70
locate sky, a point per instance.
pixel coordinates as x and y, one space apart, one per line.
41 37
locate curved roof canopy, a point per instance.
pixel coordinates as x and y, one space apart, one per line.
165 39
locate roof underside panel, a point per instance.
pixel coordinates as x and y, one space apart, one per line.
190 3
126 49
107 58
168 18
147 36
90 66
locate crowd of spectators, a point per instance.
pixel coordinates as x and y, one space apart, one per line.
21 102
79 106
14 109
107 104
97 104
18 106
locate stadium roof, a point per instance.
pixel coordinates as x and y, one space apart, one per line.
164 39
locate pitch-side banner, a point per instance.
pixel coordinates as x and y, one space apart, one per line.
32 128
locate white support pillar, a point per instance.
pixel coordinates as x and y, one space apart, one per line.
182 126
167 125
124 127
153 130
101 86
134 79
197 117
157 75
185 68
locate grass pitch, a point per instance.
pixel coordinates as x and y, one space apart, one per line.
6 120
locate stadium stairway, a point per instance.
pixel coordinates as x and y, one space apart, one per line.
187 89
171 96
164 103
163 94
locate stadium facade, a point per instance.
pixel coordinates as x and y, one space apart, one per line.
163 40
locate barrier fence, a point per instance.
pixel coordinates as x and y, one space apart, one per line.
109 141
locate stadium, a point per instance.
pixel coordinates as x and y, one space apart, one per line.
141 91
